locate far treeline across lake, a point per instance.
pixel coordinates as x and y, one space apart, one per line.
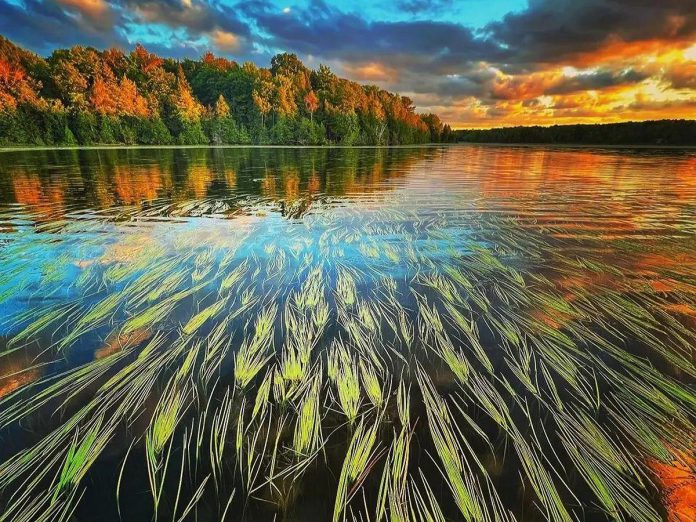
82 96
659 132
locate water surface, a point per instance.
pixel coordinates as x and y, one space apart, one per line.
489 333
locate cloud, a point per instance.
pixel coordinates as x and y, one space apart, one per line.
371 72
321 30
182 27
98 11
564 59
644 103
597 80
682 75
423 6
225 41
562 31
195 17
43 26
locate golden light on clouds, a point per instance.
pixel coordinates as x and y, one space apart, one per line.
225 41
90 8
637 81
371 72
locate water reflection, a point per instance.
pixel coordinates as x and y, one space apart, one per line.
452 301
53 183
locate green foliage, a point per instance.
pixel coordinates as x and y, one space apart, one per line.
67 138
85 96
309 133
152 131
191 133
108 129
435 127
224 131
343 129
85 127
128 135
282 132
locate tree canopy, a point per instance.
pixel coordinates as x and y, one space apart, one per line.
86 96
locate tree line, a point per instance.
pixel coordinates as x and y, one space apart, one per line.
85 96
656 132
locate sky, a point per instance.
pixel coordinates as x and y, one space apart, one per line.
476 63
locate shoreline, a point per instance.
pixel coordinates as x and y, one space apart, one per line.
28 148
25 148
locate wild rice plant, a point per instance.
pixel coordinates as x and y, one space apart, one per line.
308 428
254 353
343 371
371 384
218 433
81 455
461 480
359 455
204 315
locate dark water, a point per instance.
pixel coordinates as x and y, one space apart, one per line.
213 333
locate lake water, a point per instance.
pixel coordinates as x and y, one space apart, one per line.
427 333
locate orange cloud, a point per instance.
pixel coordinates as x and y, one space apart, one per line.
93 9
615 49
371 72
682 75
225 41
523 87
621 82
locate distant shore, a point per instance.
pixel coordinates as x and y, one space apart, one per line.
651 133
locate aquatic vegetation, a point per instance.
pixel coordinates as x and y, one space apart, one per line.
414 356
308 428
463 483
81 455
254 353
201 317
343 371
359 455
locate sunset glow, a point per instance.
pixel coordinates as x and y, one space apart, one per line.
476 65
620 81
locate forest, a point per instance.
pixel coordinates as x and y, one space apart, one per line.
83 96
656 132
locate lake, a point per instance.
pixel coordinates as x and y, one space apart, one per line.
428 333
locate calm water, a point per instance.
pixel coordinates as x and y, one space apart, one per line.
489 333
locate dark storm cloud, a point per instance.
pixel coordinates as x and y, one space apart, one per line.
423 6
199 17
597 81
44 26
321 30
554 31
682 75
471 80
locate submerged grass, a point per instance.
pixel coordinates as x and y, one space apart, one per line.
424 369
